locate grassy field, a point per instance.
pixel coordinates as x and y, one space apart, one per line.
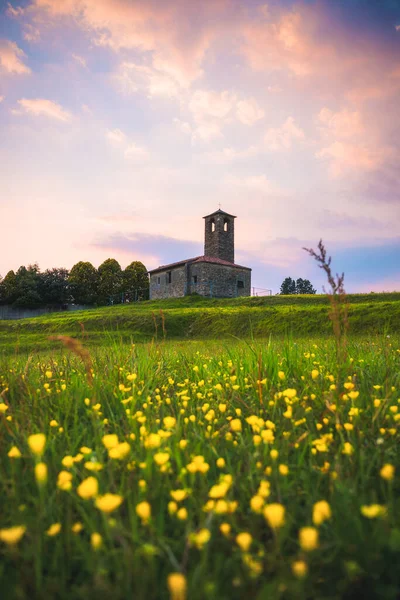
203 469
204 318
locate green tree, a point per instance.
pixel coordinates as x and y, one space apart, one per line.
110 282
27 282
304 286
136 281
83 283
288 287
54 289
8 289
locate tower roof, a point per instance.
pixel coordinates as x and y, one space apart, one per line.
219 212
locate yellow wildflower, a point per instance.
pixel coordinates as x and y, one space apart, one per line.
315 373
54 529
308 538
110 440
64 481
3 408
14 452
178 495
387 472
321 512
36 443
120 451
88 488
12 535
143 511
283 470
77 527
299 568
236 425
169 422
372 511
96 541
201 538
161 458
275 515
244 540
177 586
225 529
41 472
109 502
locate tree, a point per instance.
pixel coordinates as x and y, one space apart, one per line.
54 289
8 289
110 282
304 286
288 286
136 281
83 283
27 282
300 286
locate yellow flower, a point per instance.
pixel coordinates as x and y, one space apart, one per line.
12 535
283 470
96 541
281 375
176 583
372 511
244 540
153 440
109 502
110 440
37 443
321 512
314 373
143 511
64 481
120 451
387 472
220 462
53 423
347 448
169 422
3 407
67 461
225 529
201 538
88 488
308 538
274 454
172 507
299 568
14 452
222 407
85 450
178 495
182 514
53 529
93 466
41 472
77 527
49 374
161 458
289 393
219 490
183 444
257 503
275 515
236 425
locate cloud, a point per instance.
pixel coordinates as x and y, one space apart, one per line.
134 152
256 183
11 58
31 33
80 60
341 124
177 35
282 138
116 136
229 154
132 78
42 107
15 12
249 112
159 249
397 27
2 98
345 157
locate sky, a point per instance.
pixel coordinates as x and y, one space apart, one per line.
124 122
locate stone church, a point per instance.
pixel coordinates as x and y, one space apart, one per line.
214 274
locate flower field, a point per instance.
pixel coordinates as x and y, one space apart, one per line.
197 470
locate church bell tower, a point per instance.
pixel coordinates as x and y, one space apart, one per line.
219 240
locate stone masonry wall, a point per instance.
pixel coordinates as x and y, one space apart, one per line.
218 281
160 288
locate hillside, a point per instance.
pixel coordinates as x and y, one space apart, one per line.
203 318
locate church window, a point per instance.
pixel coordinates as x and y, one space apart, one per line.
212 225
169 276
225 224
240 284
158 280
194 278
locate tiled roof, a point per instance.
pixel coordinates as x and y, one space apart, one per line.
199 259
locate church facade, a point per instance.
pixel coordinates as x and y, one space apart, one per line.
214 274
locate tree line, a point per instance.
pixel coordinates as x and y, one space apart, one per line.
299 286
28 287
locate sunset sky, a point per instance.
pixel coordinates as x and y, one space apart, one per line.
124 122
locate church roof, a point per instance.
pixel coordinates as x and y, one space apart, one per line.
219 212
199 259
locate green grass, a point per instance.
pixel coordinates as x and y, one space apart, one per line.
356 557
205 318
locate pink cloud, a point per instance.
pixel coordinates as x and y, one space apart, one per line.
282 138
42 107
11 58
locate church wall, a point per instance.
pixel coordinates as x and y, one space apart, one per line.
161 288
219 281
